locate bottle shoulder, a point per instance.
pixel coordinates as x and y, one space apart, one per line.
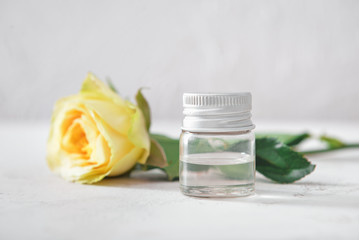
224 135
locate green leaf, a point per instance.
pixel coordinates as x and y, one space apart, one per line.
274 159
282 175
144 106
279 162
157 156
288 139
111 85
332 142
171 149
201 145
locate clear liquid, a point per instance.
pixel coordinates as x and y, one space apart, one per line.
217 174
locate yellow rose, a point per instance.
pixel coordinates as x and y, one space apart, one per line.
96 134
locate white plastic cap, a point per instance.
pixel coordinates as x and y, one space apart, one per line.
217 112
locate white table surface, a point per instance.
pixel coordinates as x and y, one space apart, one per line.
36 204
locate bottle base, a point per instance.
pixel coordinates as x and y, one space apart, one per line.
218 191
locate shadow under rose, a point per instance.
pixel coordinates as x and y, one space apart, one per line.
150 180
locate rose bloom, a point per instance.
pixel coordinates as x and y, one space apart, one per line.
96 134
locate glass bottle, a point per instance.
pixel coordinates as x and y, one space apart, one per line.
217 145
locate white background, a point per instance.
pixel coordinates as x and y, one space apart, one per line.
300 59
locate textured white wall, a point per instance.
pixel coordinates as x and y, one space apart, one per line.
300 59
